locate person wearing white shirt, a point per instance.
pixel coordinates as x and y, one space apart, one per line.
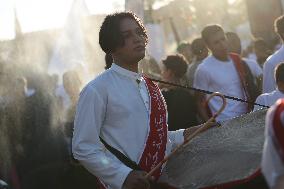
218 72
268 68
268 99
118 106
272 162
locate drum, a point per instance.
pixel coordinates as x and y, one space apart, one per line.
221 157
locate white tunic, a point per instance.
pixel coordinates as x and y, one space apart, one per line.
269 83
271 165
268 99
254 67
115 107
217 76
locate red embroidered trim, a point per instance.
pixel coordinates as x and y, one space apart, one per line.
241 72
236 182
155 148
278 129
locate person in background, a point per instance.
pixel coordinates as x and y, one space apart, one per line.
184 48
269 66
200 52
220 72
272 162
261 50
268 99
181 105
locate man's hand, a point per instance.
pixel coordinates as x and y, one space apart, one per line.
136 180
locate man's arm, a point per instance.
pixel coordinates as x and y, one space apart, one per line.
201 109
268 78
201 81
86 145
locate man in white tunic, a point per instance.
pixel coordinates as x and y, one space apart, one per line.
268 99
272 164
268 68
218 73
125 110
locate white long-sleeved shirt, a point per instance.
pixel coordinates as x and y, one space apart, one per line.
116 107
269 83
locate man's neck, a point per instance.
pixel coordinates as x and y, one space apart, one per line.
222 58
128 66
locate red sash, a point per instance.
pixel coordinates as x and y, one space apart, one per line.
242 72
154 151
278 129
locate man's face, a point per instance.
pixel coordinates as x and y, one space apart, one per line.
133 49
217 43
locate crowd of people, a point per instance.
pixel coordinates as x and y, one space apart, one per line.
111 132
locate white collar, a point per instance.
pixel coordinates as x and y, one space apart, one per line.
125 72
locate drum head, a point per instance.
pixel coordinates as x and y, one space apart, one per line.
220 155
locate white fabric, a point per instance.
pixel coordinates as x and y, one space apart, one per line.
217 76
269 83
252 56
254 67
271 164
29 92
61 92
268 99
114 107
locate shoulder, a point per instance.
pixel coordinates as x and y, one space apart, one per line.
254 66
250 61
100 83
266 95
208 60
276 57
205 64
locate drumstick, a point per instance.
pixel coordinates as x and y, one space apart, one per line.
205 126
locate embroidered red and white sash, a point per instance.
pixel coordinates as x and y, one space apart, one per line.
154 151
277 129
155 148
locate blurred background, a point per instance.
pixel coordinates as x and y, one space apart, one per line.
38 33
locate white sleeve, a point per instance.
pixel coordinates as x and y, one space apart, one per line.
200 79
254 68
176 137
259 100
86 145
268 78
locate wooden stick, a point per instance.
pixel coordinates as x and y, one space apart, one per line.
205 126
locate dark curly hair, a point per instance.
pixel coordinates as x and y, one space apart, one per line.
279 72
110 36
209 31
279 26
177 63
198 46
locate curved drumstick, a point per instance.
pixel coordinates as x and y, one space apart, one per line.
205 126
